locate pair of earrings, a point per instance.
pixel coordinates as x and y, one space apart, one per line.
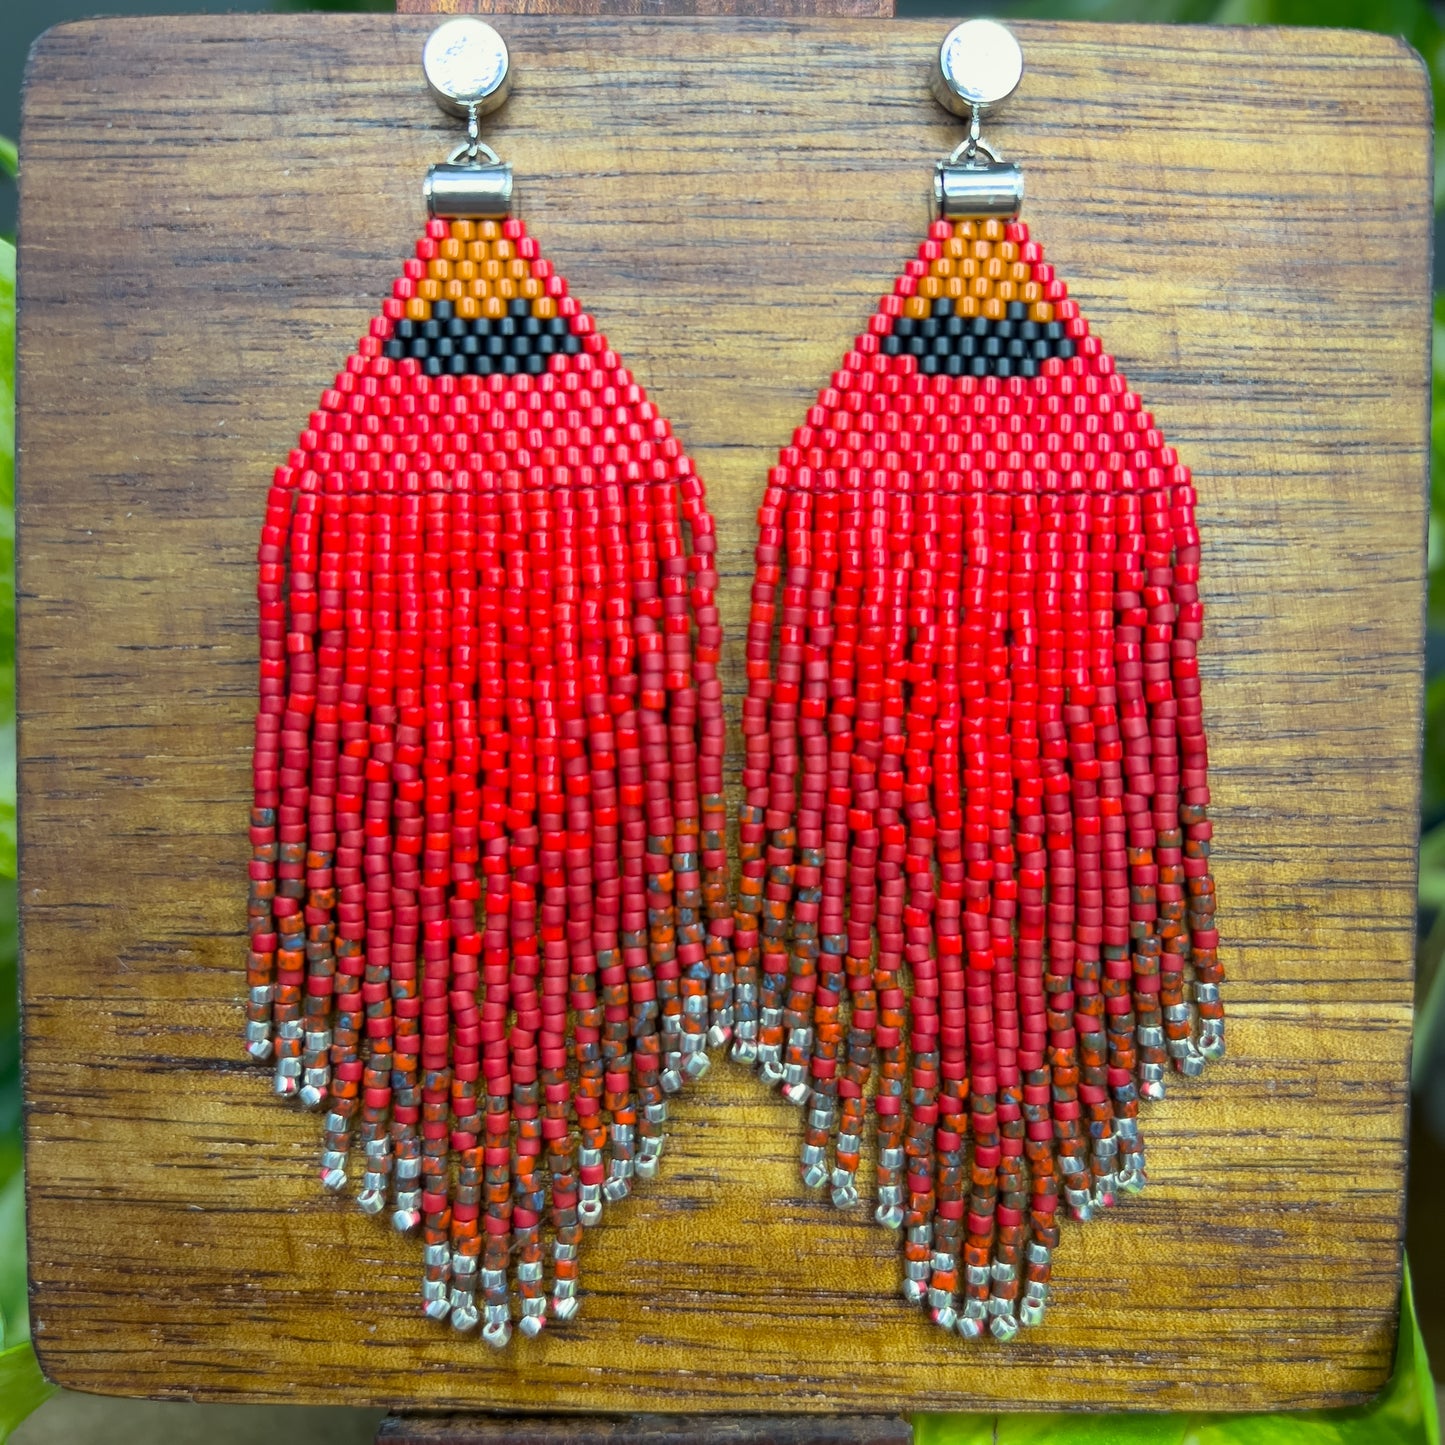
492 910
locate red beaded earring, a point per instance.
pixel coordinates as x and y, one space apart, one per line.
489 897
975 839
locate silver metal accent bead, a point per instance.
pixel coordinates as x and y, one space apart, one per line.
1211 1038
1206 993
1150 1038
914 1291
695 1065
976 1274
529 1271
564 1307
944 1316
464 1316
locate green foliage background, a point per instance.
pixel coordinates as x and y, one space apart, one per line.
1405 1413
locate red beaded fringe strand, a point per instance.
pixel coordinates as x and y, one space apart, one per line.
975 839
489 893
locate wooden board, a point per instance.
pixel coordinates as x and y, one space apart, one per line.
212 209
732 1429
856 9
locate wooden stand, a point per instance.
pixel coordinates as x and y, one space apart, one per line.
211 208
644 1430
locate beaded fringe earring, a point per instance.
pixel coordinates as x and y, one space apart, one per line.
975 840
489 897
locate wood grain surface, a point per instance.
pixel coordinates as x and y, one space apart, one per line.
645 1430
777 9
211 210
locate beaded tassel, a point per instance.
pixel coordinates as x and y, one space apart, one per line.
975 841
490 922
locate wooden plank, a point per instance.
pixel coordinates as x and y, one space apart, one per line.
645 1430
773 9
212 208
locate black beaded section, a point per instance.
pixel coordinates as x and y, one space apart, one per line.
951 345
450 345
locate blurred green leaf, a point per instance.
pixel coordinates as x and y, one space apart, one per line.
23 1389
9 157
1113 1429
